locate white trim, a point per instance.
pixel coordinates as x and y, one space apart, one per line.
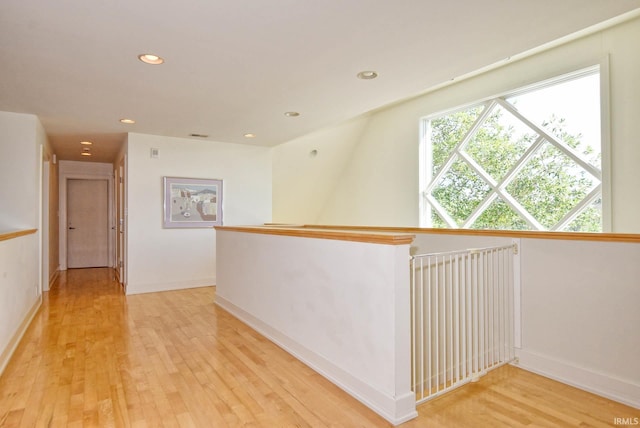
6 355
44 223
571 73
605 146
72 170
394 409
41 236
551 81
125 202
426 171
132 287
602 384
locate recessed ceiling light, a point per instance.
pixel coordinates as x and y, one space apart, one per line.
249 135
85 154
151 59
367 75
86 143
128 121
291 113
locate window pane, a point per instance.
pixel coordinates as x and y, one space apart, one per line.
447 131
500 142
499 215
589 220
460 191
437 221
550 185
568 108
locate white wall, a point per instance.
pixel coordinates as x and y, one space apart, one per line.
19 173
379 185
19 291
580 316
161 259
303 181
20 282
336 305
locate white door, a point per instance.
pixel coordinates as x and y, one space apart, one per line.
120 259
87 223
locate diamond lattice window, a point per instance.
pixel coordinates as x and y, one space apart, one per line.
529 160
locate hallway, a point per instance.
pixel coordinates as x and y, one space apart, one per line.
93 357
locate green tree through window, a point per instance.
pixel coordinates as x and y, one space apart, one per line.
493 167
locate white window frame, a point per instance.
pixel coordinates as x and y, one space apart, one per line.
427 181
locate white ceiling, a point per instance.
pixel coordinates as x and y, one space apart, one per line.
235 66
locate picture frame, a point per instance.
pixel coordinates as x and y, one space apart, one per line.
192 202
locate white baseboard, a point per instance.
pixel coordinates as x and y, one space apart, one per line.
7 353
608 386
394 409
133 288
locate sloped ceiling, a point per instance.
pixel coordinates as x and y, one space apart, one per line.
236 66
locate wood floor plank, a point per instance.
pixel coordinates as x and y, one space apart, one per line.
94 357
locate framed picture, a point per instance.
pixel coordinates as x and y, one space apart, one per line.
192 202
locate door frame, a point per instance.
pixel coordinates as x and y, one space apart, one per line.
102 224
67 174
44 222
120 218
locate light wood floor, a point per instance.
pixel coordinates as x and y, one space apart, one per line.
93 357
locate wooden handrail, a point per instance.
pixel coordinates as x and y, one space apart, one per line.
531 234
374 237
5 236
402 235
